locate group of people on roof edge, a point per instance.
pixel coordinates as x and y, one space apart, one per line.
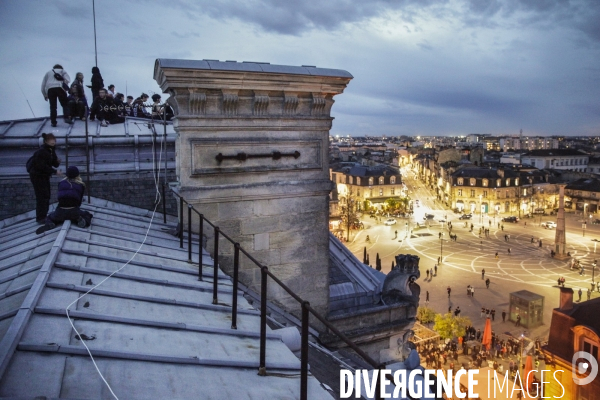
41 166
108 106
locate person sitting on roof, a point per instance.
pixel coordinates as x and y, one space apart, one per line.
104 107
120 104
111 92
70 196
76 103
139 109
158 109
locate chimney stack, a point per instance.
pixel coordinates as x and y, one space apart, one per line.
566 299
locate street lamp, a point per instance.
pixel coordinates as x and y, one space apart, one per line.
583 226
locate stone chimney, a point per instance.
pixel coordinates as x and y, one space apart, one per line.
566 299
252 156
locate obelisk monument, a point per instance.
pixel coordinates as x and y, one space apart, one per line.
560 240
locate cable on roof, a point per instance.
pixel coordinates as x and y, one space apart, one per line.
158 199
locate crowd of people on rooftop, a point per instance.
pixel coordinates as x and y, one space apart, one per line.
107 105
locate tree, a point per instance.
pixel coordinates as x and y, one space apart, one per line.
425 315
392 204
349 211
448 326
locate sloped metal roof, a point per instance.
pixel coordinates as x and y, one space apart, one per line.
126 147
152 327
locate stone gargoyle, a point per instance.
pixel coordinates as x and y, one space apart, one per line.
399 285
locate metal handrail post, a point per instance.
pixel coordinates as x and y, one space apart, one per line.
190 233
216 267
180 222
200 239
262 368
236 267
165 138
164 200
66 152
304 351
87 155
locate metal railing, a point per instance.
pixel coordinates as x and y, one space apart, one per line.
307 310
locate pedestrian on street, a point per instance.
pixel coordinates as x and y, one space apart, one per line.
540 243
435 269
532 239
472 291
468 290
503 315
482 273
502 226
482 312
439 260
427 297
448 290
589 294
427 274
496 255
518 323
509 237
579 292
490 223
431 273
487 283
498 225
493 314
509 251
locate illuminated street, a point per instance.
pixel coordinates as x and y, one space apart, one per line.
528 267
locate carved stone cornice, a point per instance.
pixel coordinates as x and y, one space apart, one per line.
290 103
318 104
230 102
197 102
260 103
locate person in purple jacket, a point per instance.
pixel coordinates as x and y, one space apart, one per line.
70 196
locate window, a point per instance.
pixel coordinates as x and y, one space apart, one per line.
593 194
551 162
485 193
370 181
516 181
484 182
507 181
392 191
472 193
590 347
357 180
380 192
460 181
381 180
499 182
460 192
472 181
393 180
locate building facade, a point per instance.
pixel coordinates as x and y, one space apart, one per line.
562 159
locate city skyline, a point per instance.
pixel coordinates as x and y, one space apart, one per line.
429 68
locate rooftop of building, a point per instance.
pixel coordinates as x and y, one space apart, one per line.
554 153
585 184
152 327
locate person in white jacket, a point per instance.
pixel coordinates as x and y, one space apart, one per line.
52 89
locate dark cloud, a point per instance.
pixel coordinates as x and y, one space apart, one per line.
296 17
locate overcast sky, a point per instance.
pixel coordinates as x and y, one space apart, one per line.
420 67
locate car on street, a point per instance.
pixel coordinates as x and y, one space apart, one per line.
596 221
428 216
549 225
512 219
390 221
466 216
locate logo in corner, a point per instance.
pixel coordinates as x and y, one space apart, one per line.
581 367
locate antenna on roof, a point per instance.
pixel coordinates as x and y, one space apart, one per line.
24 96
95 44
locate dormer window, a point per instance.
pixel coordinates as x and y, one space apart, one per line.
370 181
507 181
357 180
350 179
381 180
484 182
460 181
472 181
393 180
516 181
498 182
